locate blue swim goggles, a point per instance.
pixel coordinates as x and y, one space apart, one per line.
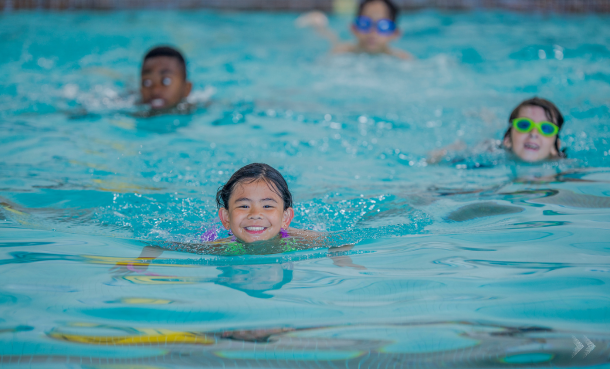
384 26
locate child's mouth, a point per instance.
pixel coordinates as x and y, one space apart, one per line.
255 230
157 103
531 146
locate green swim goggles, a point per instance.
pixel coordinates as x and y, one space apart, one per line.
525 125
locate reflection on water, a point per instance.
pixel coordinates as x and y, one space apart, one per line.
480 210
257 279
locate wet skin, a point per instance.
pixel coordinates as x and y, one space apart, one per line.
255 212
532 146
163 85
374 42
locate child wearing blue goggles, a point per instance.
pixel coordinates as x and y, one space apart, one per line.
383 26
374 29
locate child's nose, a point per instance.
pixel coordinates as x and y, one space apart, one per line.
255 213
157 88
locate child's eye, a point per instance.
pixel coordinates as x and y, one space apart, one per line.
146 83
268 206
166 81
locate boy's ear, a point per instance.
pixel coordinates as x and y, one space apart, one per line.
507 142
287 218
223 214
187 89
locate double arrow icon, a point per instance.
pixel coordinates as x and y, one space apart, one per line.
579 346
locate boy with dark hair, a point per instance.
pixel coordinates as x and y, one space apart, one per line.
374 29
164 83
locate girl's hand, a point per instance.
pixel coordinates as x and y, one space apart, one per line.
148 254
436 156
343 261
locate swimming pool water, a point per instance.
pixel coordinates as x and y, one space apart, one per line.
482 262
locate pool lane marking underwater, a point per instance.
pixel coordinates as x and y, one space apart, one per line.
490 346
148 336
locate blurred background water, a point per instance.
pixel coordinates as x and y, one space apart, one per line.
476 262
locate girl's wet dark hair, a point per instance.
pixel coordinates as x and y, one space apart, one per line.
252 173
392 8
550 110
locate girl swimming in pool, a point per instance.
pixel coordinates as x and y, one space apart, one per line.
255 205
532 134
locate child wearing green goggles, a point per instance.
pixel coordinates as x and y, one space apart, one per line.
532 135
533 132
525 125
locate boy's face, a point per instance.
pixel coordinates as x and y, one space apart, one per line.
255 212
163 85
531 146
373 42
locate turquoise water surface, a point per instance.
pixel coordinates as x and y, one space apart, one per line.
478 261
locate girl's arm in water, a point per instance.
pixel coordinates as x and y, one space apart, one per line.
343 261
140 264
305 234
459 146
311 239
334 252
436 156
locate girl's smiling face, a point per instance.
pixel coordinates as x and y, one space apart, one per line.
255 212
532 146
